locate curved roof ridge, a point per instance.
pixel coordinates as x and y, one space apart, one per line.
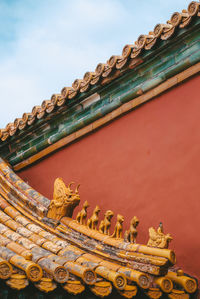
72 255
105 70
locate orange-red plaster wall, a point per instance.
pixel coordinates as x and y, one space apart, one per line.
147 163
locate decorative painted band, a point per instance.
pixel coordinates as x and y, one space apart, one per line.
173 81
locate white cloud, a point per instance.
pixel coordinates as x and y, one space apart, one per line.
51 43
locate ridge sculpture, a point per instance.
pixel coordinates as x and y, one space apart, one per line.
106 222
118 227
131 234
158 238
82 215
64 200
93 220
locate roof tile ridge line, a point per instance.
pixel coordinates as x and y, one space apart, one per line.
129 52
170 83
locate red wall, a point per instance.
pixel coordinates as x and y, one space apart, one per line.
147 163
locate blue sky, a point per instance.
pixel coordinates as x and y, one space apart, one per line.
47 44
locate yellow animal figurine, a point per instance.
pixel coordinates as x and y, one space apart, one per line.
118 227
82 215
93 220
131 234
105 224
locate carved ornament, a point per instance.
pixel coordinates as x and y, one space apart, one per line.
158 238
64 200
17 281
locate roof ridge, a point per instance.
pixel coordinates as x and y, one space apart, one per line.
104 70
73 252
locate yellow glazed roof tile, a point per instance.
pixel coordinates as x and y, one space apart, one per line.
55 254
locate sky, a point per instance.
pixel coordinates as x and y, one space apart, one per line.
47 44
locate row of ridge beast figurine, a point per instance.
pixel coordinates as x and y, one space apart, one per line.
65 200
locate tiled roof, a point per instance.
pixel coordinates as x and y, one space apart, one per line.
104 73
47 253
